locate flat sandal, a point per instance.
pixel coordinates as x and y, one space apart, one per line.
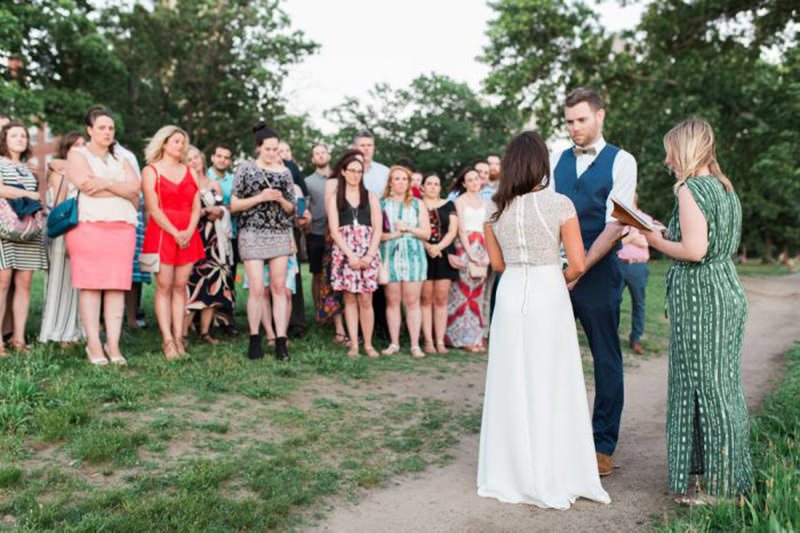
170 350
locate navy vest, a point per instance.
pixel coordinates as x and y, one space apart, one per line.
590 192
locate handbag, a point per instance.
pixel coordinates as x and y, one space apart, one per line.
14 228
151 261
64 216
476 271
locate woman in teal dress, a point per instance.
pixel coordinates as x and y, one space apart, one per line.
406 228
707 423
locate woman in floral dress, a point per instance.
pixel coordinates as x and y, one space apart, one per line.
355 222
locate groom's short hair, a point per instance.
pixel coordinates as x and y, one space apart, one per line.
582 94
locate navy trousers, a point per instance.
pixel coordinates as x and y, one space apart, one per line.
635 277
596 300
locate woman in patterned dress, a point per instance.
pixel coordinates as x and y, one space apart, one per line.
18 260
403 254
355 222
60 315
263 197
707 423
209 288
465 307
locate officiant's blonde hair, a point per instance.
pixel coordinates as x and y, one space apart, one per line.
690 146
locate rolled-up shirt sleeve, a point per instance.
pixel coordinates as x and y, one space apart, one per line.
624 175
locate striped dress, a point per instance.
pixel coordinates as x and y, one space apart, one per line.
405 256
29 255
707 424
60 317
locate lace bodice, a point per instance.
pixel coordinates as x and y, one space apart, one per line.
529 230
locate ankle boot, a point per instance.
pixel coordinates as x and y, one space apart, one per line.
281 349
255 351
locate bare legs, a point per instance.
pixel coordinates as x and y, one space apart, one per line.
113 309
170 303
407 293
434 314
89 308
20 303
132 304
258 305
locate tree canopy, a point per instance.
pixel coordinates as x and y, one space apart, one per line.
437 123
731 62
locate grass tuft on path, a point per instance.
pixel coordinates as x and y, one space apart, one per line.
774 505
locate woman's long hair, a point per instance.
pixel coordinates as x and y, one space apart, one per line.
690 146
155 147
387 191
66 142
341 185
525 166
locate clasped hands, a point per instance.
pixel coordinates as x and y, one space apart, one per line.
183 238
270 195
359 263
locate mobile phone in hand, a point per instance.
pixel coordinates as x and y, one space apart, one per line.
301 207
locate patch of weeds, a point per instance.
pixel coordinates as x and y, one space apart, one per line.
367 477
204 474
57 423
9 475
103 443
216 427
411 463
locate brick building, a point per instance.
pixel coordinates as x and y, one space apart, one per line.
44 146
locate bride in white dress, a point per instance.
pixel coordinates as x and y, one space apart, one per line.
536 441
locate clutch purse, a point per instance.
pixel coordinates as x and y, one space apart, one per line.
476 271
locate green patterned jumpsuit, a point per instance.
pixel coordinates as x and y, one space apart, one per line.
707 423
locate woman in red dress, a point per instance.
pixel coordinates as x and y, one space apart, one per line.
172 199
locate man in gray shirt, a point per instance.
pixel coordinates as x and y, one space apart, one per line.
375 174
315 239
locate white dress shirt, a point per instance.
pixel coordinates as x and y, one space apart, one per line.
623 173
375 178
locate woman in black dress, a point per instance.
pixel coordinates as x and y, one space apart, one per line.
444 229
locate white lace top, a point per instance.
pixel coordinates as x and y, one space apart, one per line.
529 230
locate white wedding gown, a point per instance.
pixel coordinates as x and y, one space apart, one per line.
536 442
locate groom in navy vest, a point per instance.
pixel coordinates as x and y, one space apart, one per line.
590 173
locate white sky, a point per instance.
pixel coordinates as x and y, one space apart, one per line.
364 42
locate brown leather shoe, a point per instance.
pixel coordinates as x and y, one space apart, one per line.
604 465
637 348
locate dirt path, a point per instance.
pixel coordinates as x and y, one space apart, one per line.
445 499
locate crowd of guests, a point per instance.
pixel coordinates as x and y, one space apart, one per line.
376 238
533 234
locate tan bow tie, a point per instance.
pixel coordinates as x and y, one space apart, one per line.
584 151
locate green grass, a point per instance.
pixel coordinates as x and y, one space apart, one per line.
220 442
774 505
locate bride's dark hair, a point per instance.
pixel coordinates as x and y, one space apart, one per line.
525 166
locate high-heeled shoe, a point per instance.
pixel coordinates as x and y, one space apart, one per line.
119 360
96 360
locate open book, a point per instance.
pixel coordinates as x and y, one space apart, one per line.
630 217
